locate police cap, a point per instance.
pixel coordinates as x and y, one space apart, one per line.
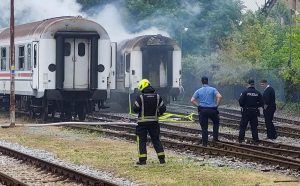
251 82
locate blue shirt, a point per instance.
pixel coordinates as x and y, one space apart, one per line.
206 96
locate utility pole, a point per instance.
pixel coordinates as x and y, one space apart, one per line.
12 66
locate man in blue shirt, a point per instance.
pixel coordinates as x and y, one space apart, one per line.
207 99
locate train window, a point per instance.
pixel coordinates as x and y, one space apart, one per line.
29 66
111 56
67 49
34 56
127 62
81 49
21 59
3 59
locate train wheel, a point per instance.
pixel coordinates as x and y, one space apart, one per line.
31 113
81 110
44 114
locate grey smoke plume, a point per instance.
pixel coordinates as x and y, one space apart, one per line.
34 10
110 18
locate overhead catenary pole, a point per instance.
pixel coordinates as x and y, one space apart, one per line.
12 66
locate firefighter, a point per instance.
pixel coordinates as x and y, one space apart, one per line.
149 106
250 101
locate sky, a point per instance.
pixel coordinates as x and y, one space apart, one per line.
253 4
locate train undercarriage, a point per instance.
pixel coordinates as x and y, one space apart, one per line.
65 105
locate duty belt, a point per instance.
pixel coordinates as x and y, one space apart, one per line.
249 108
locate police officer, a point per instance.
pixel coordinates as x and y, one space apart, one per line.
250 100
207 99
269 108
149 105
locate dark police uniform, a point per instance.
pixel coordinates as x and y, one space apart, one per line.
250 100
269 110
149 105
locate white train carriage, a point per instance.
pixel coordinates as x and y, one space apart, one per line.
153 57
63 64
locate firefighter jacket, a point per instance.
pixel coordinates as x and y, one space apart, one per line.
251 99
149 106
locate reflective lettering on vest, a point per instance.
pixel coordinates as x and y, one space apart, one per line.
252 94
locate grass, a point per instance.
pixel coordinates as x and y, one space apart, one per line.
118 157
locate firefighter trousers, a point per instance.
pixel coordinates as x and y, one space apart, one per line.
153 129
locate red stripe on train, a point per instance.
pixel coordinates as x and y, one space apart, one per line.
17 75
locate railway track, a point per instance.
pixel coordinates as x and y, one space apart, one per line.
18 168
180 138
231 118
235 114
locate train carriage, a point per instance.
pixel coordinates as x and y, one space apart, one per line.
153 57
63 65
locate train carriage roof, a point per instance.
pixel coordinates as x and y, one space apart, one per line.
48 27
147 40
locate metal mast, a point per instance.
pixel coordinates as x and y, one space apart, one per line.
12 66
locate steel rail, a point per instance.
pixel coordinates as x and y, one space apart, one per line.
8 180
232 121
56 169
230 150
198 131
234 111
266 151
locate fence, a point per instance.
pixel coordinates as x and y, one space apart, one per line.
232 91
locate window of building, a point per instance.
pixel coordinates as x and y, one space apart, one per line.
127 58
81 49
29 66
3 59
21 59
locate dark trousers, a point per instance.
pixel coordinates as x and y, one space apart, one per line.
204 115
153 129
269 115
249 116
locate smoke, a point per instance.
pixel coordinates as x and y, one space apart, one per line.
107 16
111 20
33 10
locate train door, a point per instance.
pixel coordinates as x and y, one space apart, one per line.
157 66
77 62
35 65
112 74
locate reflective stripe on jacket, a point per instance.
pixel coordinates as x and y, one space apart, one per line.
149 106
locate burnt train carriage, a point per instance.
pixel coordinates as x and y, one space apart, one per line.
153 57
62 65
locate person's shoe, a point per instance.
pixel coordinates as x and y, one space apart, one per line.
256 142
274 137
162 161
204 144
216 140
241 141
140 163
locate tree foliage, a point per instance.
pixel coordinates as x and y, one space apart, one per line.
221 40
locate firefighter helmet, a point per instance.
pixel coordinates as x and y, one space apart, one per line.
143 84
